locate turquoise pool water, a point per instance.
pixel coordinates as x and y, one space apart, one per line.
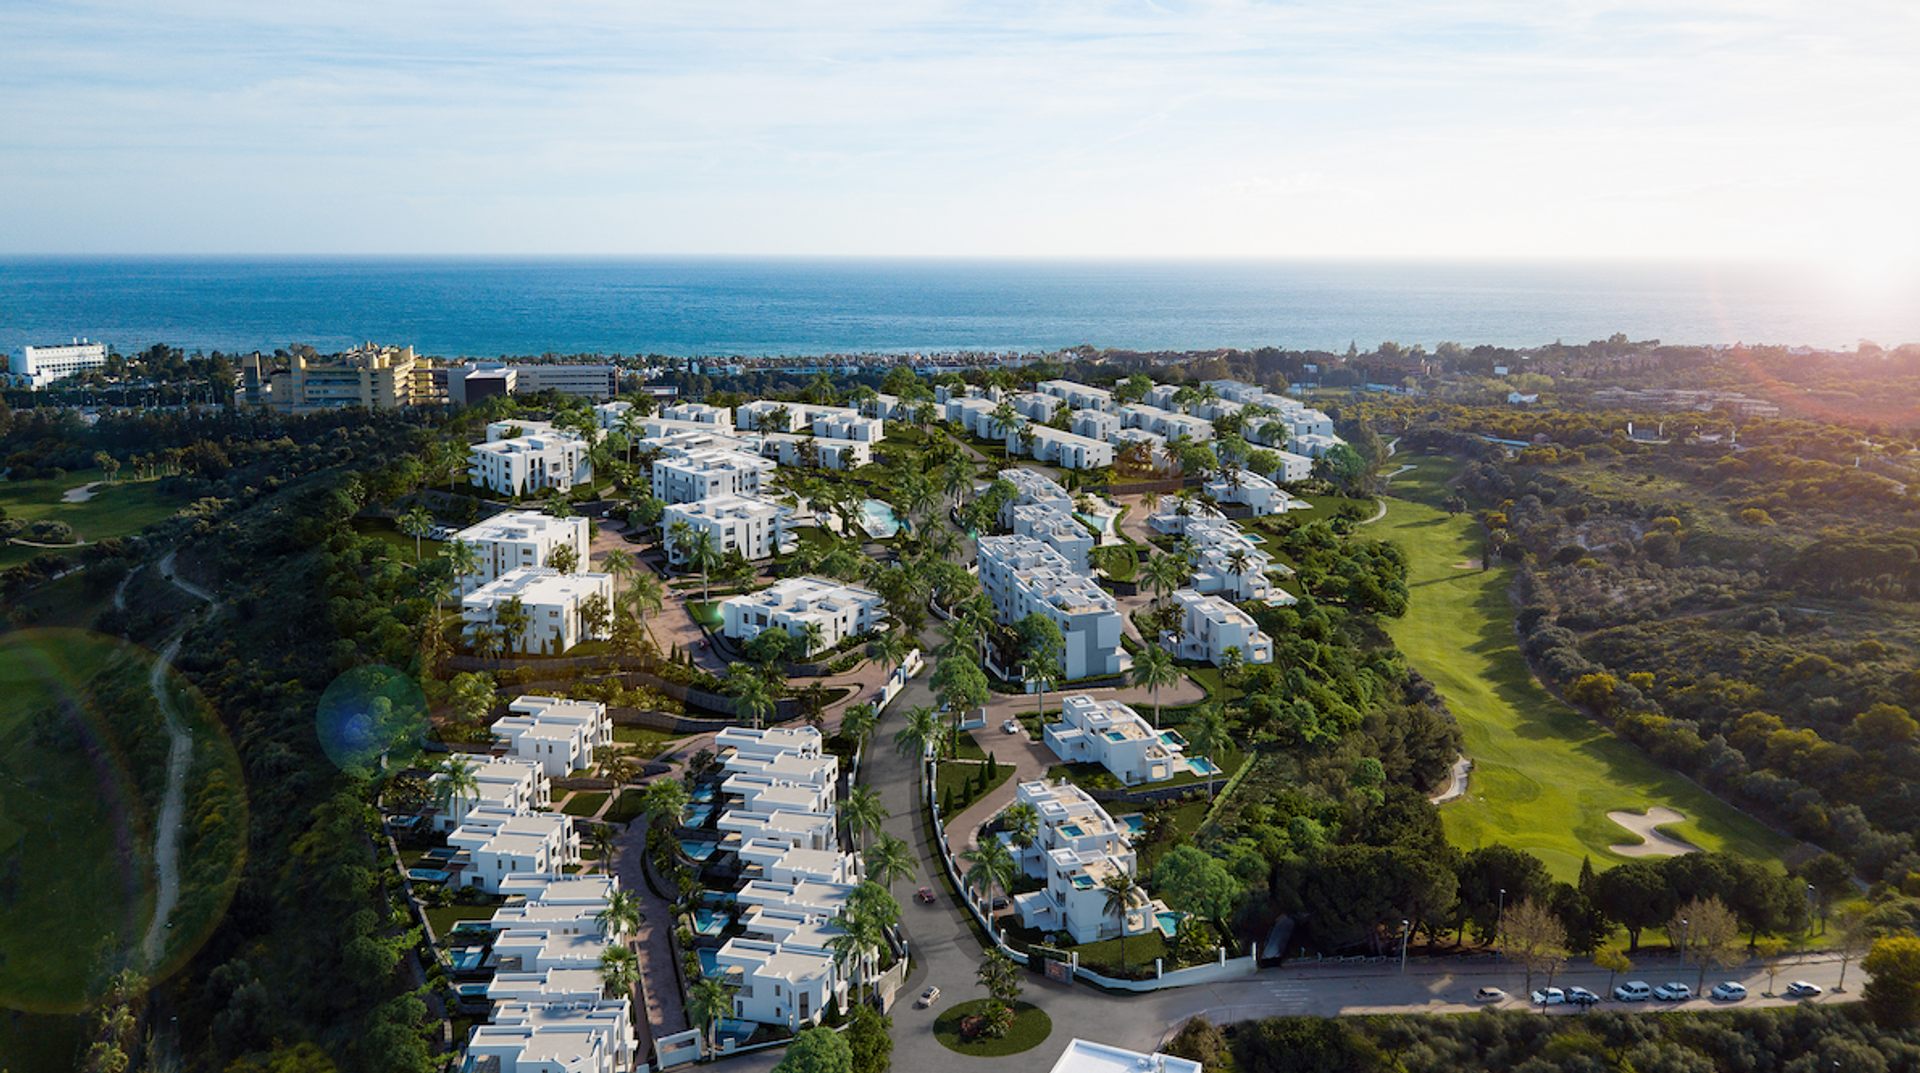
428 875
699 848
697 814
709 921
709 962
1169 923
1202 766
1133 822
878 519
1174 738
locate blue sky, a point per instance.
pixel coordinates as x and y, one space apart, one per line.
1163 129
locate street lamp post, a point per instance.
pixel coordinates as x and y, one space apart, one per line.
1809 929
1406 929
1683 939
1500 920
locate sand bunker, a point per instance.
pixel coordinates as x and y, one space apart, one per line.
1467 564
80 494
1657 844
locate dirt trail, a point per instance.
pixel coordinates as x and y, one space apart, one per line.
166 848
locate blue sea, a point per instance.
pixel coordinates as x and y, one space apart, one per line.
682 307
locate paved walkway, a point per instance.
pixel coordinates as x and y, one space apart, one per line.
663 1004
1029 759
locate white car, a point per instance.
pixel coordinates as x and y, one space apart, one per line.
1489 994
1802 989
1633 991
1552 996
1728 991
1580 996
1011 726
1673 992
929 997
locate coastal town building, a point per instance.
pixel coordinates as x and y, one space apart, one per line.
1022 576
373 377
39 366
518 540
754 527
551 601
472 381
1210 625
1063 449
840 610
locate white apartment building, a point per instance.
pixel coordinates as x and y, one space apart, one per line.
755 527
588 381
768 743
690 476
1079 396
503 785
781 983
883 406
792 449
1061 531
594 1037
526 464
534 843
1112 734
1220 543
1077 847
1031 487
1063 449
520 540
1096 424
1035 406
1313 445
1209 626
43 365
1122 438
1175 514
781 862
1293 467
975 415
848 425
560 735
699 413
1022 576
551 599
1253 490
841 610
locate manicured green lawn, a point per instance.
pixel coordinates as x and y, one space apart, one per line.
956 775
1544 775
443 919
647 743
117 509
1031 1027
584 804
1103 957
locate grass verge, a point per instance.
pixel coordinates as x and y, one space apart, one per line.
1545 776
585 804
1031 1027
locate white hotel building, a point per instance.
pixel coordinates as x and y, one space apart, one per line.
1022 576
43 365
520 540
841 610
755 527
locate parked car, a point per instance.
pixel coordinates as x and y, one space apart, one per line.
1489 994
1001 902
1633 991
1552 996
925 894
1580 996
928 997
1803 989
1673 991
1011 726
1728 991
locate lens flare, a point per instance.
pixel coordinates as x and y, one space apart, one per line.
371 718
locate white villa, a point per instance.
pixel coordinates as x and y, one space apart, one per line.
689 476
1061 530
1078 846
534 843
699 413
1115 736
1209 626
1219 541
1079 396
560 735
1064 449
504 785
520 539
1022 575
792 449
847 424
592 1037
552 601
755 527
1253 490
841 610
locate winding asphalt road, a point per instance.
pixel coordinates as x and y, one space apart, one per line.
166 848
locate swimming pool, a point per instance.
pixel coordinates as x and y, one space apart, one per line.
1173 738
1169 923
878 519
467 960
697 814
1133 822
472 992
702 792
1200 765
709 921
709 962
699 848
428 875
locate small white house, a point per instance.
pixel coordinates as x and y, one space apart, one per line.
538 843
1112 734
839 609
560 735
1250 489
756 528
1210 626
594 1037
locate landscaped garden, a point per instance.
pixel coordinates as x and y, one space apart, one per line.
1030 1028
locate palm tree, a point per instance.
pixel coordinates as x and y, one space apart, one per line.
889 860
622 916
463 559
813 637
663 797
1165 573
856 941
513 618
956 477
752 697
457 782
708 1000
702 552
922 735
416 523
1005 418
863 813
1022 821
892 648
993 867
1121 887
857 723
619 971
1152 668
1208 734
1239 562
601 836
